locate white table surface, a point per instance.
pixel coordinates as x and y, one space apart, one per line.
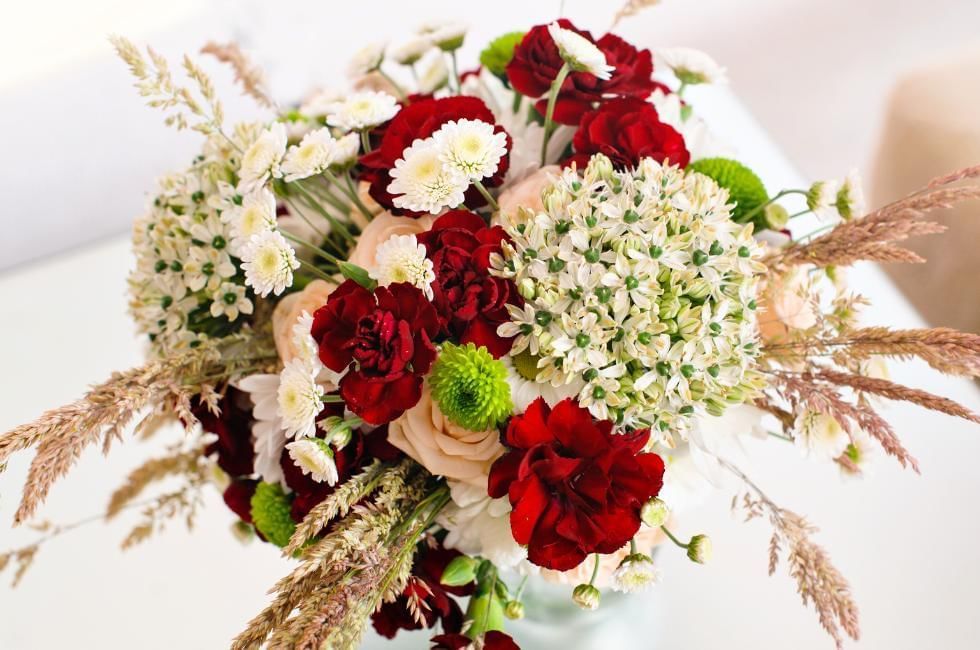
907 543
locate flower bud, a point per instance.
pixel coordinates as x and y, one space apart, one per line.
242 532
776 216
699 549
461 571
526 288
601 166
654 512
586 597
514 610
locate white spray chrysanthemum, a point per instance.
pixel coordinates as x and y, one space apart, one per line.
470 147
692 66
401 258
315 458
850 201
362 110
268 261
411 50
367 59
300 398
819 435
257 213
447 36
634 574
434 75
261 160
422 183
311 156
581 54
821 199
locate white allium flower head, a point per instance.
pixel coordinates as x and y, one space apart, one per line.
411 50
300 398
268 261
362 110
367 59
315 458
580 53
401 258
421 182
261 160
229 301
256 214
634 574
470 147
311 156
820 436
692 66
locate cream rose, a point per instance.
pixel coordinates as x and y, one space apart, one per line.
526 193
381 228
290 308
442 447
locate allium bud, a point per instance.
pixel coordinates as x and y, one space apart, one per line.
654 512
460 571
514 610
586 597
776 216
600 166
699 549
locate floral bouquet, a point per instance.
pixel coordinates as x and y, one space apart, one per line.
450 331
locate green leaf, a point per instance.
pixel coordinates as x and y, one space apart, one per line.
357 274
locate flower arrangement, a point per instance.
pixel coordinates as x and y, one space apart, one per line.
433 340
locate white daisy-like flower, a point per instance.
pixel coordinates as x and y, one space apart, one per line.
850 201
859 455
401 258
268 437
579 52
311 156
366 60
470 147
315 458
692 66
229 301
261 160
344 150
305 345
820 436
411 50
362 110
317 103
300 398
524 389
256 214
269 261
434 75
821 199
447 36
634 574
420 182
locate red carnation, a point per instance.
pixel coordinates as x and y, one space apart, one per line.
536 63
419 120
492 640
425 585
232 425
575 486
471 302
385 339
627 130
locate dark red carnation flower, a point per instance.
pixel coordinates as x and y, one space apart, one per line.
385 339
233 426
627 130
238 497
425 585
419 120
492 640
470 301
575 486
536 63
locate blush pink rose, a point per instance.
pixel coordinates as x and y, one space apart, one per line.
381 228
287 313
526 193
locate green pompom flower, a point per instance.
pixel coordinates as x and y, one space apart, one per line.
271 513
499 52
470 387
745 189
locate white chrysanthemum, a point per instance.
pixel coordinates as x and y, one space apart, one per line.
269 261
820 436
367 59
579 52
445 35
479 525
698 138
229 301
318 102
362 110
311 156
268 437
434 75
634 574
261 160
300 398
314 457
344 150
821 199
524 390
692 66
256 214
470 147
401 258
850 201
411 50
859 455
305 345
420 181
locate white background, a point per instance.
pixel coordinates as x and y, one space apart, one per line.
78 155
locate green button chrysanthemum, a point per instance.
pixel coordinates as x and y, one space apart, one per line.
470 387
271 513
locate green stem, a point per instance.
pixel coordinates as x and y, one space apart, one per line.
315 270
303 216
550 111
670 535
302 242
335 224
681 89
748 217
459 84
394 84
520 588
365 141
595 570
486 194
356 198
493 579
632 546
515 106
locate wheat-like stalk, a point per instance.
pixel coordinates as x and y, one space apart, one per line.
247 74
631 8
